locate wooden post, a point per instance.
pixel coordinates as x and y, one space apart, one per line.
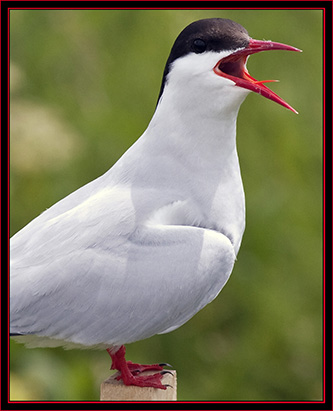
113 390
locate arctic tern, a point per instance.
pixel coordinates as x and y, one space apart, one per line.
141 249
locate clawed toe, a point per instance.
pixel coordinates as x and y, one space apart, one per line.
130 372
164 364
166 372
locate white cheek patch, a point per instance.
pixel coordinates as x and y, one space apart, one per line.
195 64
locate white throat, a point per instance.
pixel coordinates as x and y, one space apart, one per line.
200 143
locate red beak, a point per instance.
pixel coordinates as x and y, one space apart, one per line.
233 68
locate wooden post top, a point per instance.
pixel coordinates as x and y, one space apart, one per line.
114 390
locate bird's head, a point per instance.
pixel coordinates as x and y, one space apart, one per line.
207 66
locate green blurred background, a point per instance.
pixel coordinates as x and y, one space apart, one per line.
84 85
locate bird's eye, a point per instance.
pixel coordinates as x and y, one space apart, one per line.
199 46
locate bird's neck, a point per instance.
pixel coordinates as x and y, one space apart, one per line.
198 154
200 136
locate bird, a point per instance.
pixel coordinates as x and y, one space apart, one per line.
141 249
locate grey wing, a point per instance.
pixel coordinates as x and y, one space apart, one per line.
90 276
54 259
153 284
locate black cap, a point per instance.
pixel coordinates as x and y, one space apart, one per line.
206 35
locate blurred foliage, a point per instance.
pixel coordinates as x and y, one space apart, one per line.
84 85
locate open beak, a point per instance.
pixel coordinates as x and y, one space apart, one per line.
233 67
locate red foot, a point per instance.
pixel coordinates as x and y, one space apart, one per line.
129 371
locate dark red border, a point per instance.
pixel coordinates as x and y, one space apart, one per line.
310 405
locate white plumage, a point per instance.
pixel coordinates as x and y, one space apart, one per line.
141 249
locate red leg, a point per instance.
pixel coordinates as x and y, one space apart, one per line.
129 371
